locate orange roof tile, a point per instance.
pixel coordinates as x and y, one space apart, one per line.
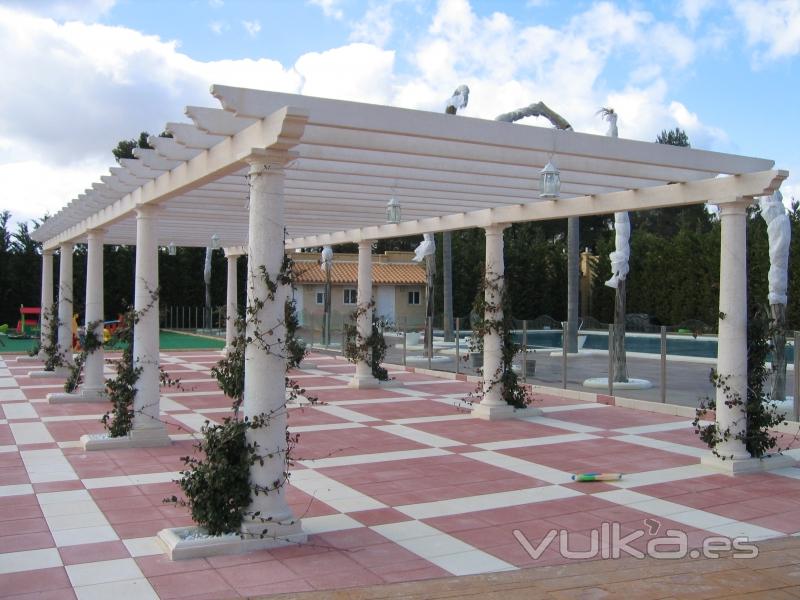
344 273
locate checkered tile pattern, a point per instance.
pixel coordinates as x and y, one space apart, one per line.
394 484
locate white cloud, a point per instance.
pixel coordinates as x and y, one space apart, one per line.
330 8
375 27
692 10
218 27
772 27
216 3
360 72
252 27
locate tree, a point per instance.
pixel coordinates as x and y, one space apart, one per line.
125 148
674 137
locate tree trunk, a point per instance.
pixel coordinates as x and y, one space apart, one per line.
573 282
778 391
620 363
447 280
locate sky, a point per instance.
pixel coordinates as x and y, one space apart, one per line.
78 76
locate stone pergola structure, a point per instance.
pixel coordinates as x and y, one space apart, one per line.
269 172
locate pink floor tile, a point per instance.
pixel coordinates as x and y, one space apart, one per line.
194 584
476 431
378 516
26 541
28 582
85 553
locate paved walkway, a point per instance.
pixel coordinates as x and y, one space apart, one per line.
394 485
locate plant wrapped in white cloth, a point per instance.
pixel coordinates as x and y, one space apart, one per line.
621 255
326 257
458 100
779 231
326 261
427 247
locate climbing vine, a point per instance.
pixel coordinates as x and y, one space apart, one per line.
90 343
53 358
496 317
760 413
371 349
216 482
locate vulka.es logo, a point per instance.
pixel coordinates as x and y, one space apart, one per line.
608 542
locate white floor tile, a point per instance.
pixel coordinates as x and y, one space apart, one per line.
326 427
103 572
360 459
88 535
337 495
445 551
537 441
47 465
11 394
30 433
89 520
326 523
7 382
632 480
345 413
60 509
457 506
29 560
19 489
421 437
567 425
436 419
662 445
19 410
581 406
655 428
45 498
193 421
523 467
144 546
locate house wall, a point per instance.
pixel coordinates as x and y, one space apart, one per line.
312 312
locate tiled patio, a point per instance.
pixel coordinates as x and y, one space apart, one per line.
393 485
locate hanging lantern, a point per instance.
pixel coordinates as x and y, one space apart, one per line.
393 211
549 181
171 249
215 242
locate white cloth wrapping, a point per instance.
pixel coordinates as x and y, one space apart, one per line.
326 257
779 231
622 227
207 266
426 248
622 253
459 98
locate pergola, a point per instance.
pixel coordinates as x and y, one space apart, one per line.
269 172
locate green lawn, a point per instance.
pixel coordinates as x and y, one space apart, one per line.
168 340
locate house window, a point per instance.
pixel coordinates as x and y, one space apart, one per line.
350 296
413 297
320 297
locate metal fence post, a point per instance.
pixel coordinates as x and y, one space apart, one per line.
663 364
458 345
405 332
610 359
429 339
525 350
564 342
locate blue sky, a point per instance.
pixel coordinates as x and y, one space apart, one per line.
81 75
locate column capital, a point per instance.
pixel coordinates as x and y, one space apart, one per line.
234 251
269 161
737 206
48 252
496 228
98 232
147 211
365 244
66 247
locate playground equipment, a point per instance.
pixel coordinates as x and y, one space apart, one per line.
26 325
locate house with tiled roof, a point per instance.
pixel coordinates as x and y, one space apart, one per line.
398 287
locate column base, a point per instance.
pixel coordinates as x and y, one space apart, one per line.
60 372
364 383
192 542
601 383
737 466
30 359
81 396
138 438
498 412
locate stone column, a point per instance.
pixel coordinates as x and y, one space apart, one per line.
732 339
65 291
492 406
232 304
265 364
94 386
148 429
363 376
47 299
